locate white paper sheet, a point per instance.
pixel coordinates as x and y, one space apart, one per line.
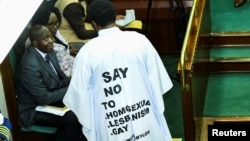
129 17
60 111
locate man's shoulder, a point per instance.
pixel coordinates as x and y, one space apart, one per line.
29 55
133 34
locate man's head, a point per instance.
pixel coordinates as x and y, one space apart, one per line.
102 13
41 38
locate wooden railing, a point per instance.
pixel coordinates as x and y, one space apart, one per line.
189 43
184 58
193 73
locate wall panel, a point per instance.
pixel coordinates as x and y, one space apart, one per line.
164 24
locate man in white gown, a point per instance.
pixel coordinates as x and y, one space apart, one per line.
117 83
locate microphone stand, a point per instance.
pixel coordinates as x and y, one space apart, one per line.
180 19
147 18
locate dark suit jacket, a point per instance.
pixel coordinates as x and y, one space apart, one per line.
37 84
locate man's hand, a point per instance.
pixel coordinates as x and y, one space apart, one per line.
73 50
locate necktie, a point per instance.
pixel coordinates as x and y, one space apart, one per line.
50 64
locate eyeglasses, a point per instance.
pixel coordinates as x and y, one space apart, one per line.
51 25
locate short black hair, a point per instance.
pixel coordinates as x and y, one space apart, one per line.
102 12
35 32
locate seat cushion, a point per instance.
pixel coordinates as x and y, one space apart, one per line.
40 129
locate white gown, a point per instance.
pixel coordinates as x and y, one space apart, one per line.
116 88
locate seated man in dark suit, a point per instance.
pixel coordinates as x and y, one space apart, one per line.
43 83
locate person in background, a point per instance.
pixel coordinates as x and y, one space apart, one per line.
53 23
75 26
40 81
51 17
5 128
238 3
118 82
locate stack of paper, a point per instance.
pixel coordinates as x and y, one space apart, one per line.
129 17
60 111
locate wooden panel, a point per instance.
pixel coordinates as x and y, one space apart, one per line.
10 98
226 40
188 112
164 25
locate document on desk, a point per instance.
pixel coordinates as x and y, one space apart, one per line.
129 17
60 111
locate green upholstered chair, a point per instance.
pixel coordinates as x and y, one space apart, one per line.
40 129
33 128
